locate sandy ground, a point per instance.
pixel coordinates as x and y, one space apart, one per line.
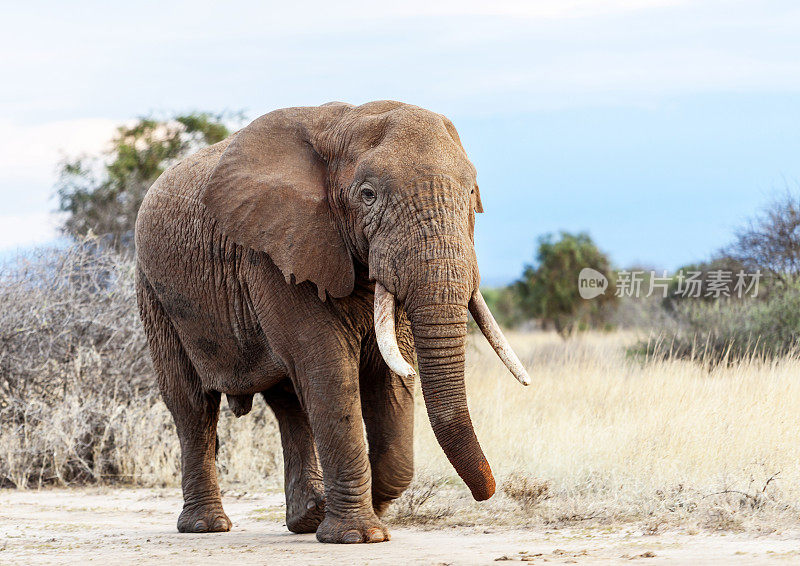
125 526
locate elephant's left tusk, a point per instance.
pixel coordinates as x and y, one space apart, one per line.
488 325
385 333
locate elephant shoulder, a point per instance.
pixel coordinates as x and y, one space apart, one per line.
186 178
171 209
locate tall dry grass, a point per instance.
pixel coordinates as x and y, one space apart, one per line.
598 438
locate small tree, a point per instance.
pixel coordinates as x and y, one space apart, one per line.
549 288
771 241
102 194
728 326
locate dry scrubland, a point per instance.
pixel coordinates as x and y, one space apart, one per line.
599 438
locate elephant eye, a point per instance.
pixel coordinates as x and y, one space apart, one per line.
368 194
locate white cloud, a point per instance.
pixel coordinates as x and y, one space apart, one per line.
30 153
516 53
543 9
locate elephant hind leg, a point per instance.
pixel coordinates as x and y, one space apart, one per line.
303 484
195 414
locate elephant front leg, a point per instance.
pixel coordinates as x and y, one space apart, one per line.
387 403
305 491
334 410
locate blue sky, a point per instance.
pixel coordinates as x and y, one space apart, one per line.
658 126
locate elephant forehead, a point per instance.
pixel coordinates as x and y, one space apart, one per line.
421 131
404 135
407 165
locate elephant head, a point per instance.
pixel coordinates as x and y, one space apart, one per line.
387 185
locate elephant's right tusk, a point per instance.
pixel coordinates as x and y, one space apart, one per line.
385 333
490 328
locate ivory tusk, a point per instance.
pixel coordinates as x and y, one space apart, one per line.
488 325
385 333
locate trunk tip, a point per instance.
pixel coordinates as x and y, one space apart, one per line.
484 491
482 485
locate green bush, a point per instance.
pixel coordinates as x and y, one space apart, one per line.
504 304
101 194
730 329
548 289
766 326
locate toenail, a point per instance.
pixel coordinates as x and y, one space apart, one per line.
351 537
375 535
200 526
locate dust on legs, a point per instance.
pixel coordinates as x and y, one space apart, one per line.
349 530
305 505
203 518
338 433
388 411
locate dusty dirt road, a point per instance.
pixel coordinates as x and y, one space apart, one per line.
137 526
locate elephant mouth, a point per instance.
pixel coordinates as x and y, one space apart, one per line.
387 337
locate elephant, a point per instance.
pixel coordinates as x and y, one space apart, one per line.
308 258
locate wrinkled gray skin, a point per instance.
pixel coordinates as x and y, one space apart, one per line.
236 247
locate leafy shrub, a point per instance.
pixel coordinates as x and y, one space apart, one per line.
101 194
504 304
548 289
767 326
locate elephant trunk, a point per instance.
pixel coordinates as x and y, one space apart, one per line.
434 274
440 337
436 304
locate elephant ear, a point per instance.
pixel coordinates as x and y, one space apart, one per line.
451 129
269 193
478 204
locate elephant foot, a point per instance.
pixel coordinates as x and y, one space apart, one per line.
351 531
209 518
305 511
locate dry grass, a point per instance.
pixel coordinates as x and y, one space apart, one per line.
78 402
598 438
